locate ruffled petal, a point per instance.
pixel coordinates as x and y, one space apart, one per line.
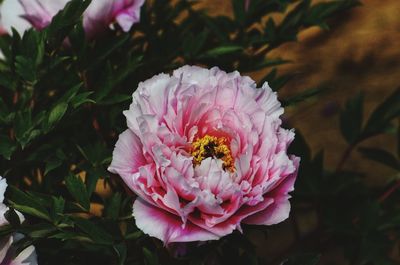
3 187
128 15
11 12
26 257
127 156
280 209
165 226
5 244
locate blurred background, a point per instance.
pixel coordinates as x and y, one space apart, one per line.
359 53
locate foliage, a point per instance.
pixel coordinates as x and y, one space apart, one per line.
61 112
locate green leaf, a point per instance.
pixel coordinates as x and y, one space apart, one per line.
31 211
193 43
25 67
78 191
134 235
33 46
92 176
29 55
380 119
380 156
63 22
94 231
81 99
239 11
303 96
41 230
57 113
351 119
97 154
319 12
51 164
121 251
151 258
113 77
258 9
292 22
117 98
274 81
27 204
107 48
69 95
57 209
7 147
113 206
222 50
12 218
6 230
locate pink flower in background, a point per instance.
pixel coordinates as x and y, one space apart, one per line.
205 152
247 4
98 17
7 252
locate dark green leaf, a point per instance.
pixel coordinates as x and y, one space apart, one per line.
7 147
381 156
151 258
113 206
81 99
223 50
78 191
57 209
52 164
351 119
303 96
12 218
27 204
121 251
63 22
94 231
382 116
57 113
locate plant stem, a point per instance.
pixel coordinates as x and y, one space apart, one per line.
345 156
389 192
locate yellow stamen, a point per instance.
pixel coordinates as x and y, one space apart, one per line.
211 146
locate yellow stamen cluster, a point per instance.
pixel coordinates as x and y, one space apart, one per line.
211 146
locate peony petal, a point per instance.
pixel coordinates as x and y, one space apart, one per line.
26 257
274 214
280 209
40 12
229 225
165 226
129 14
3 210
11 12
127 156
3 187
5 244
98 17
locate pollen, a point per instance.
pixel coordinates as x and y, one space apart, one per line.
215 147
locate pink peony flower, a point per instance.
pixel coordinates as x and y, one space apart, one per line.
7 252
100 15
205 152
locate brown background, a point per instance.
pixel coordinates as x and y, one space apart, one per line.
361 52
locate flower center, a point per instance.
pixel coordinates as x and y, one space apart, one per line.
215 147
